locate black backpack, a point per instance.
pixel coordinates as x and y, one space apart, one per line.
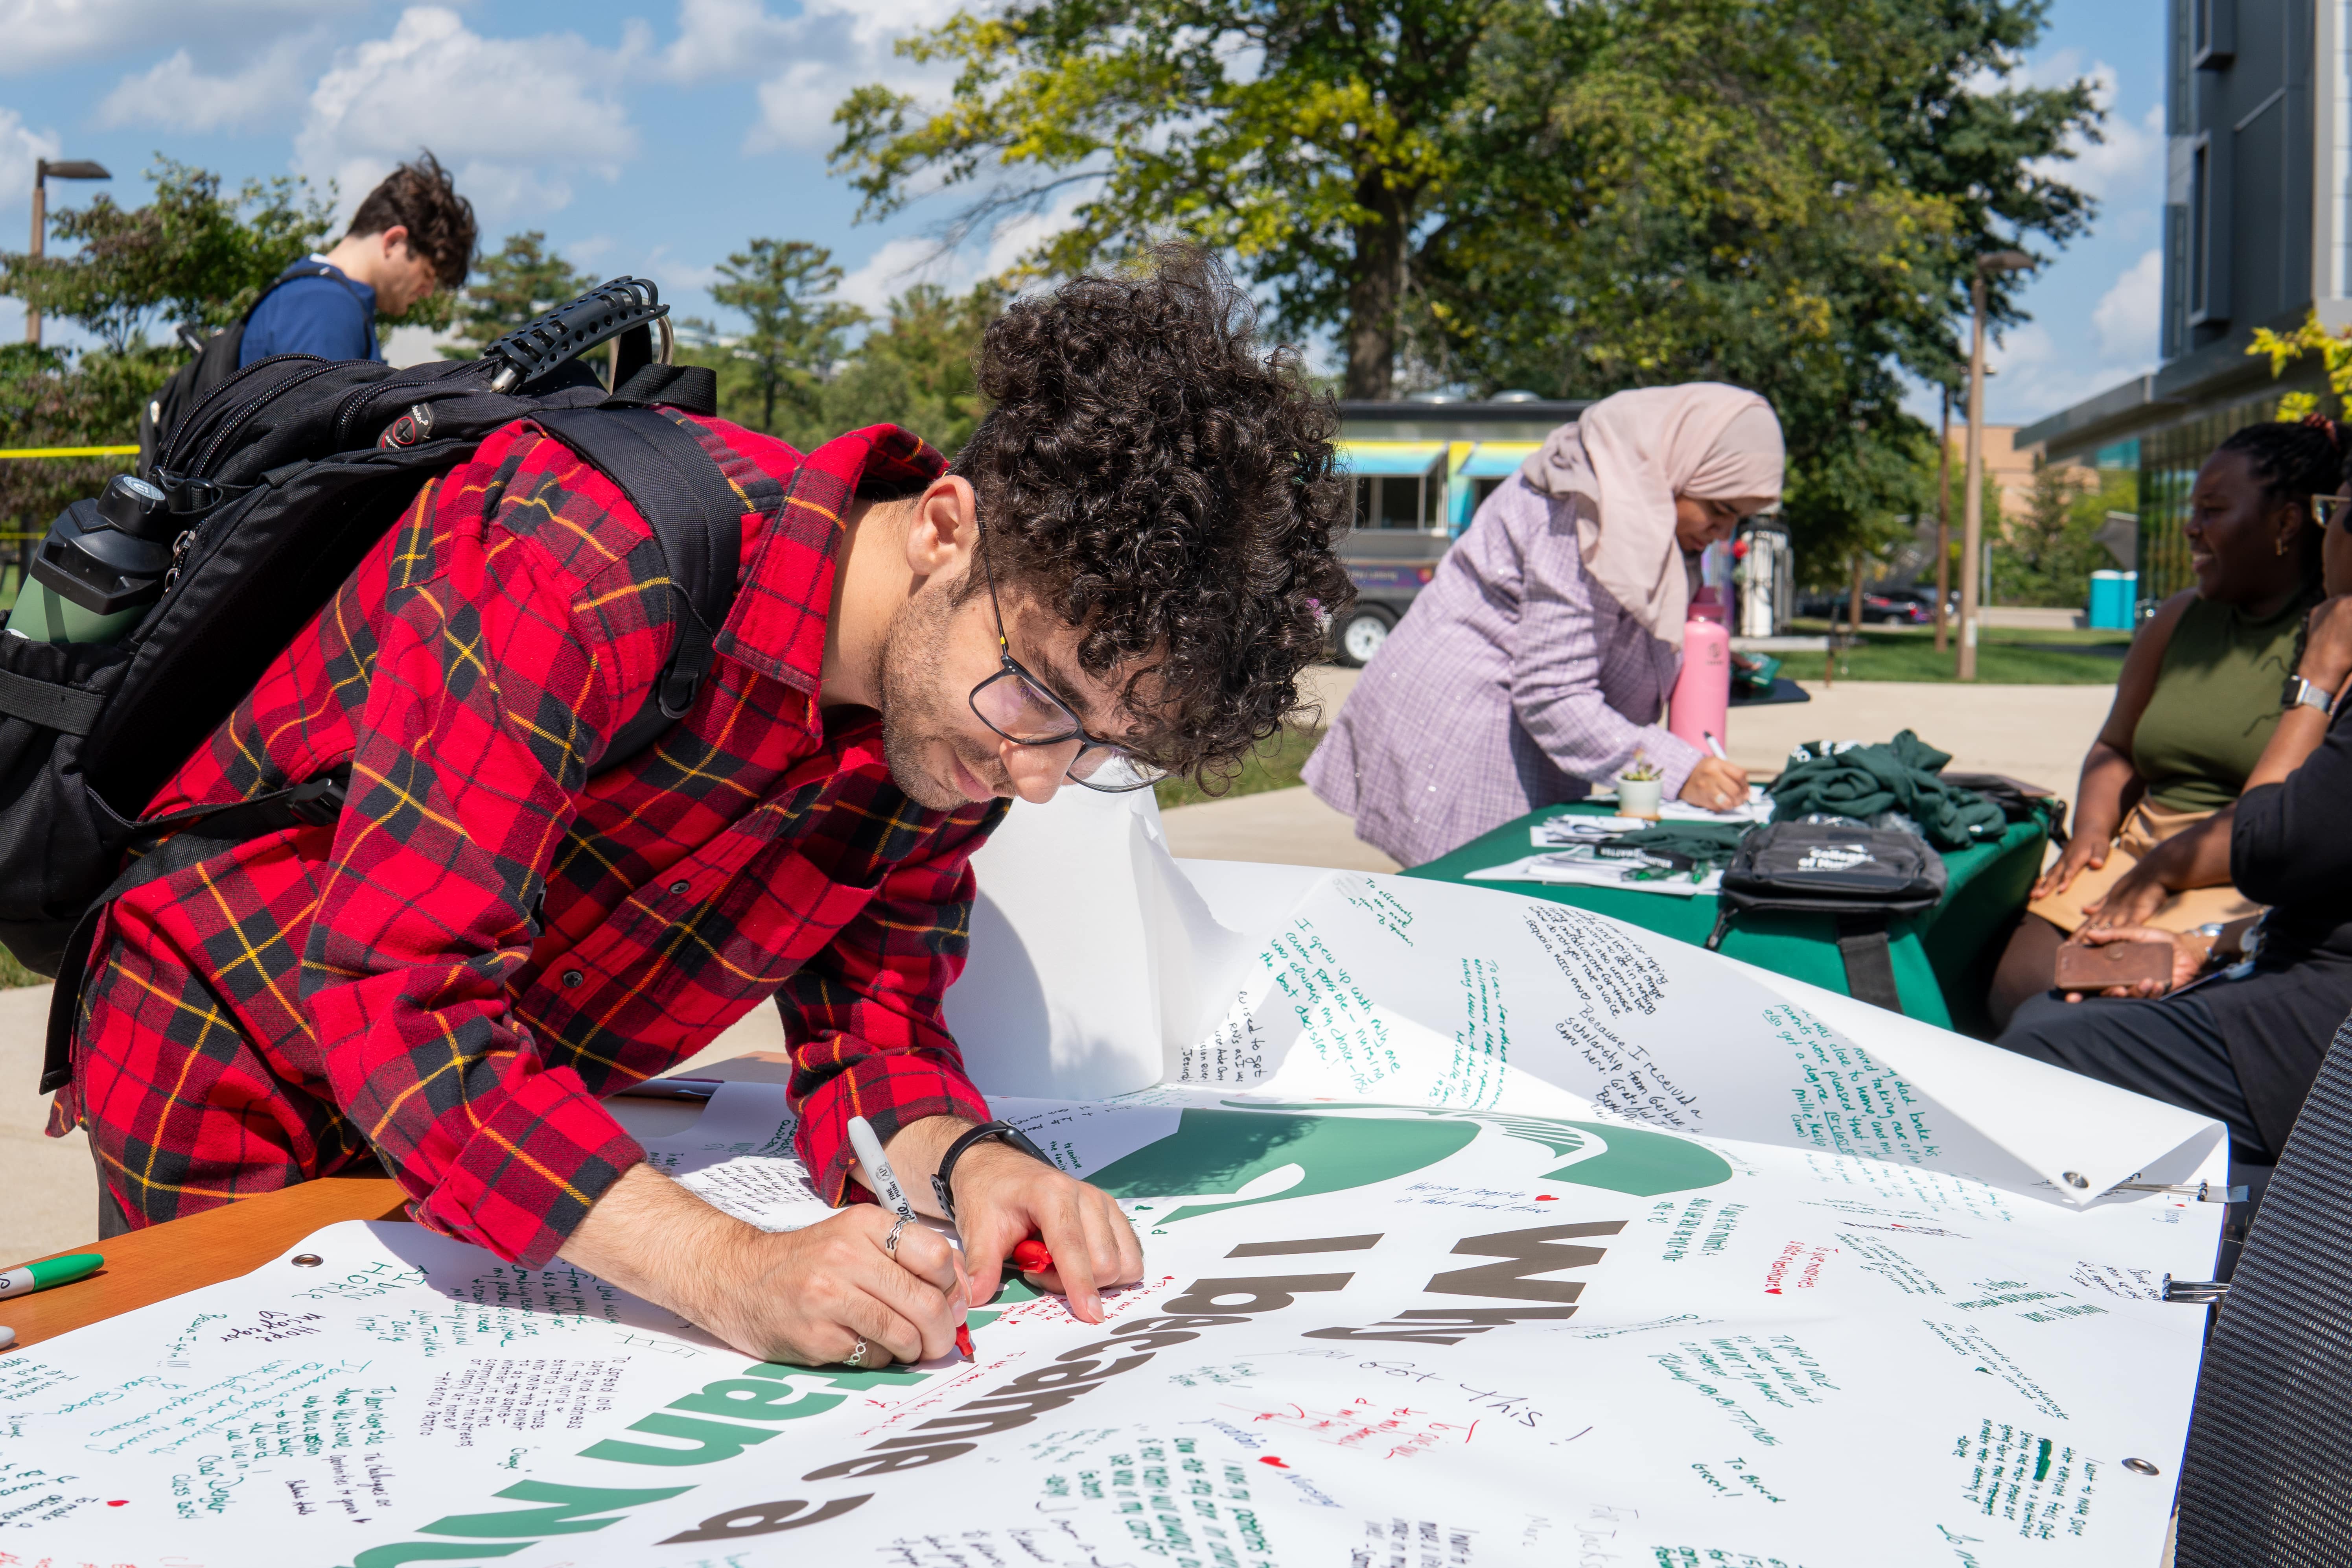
215 363
1862 876
280 482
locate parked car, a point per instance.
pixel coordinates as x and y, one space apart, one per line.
1897 610
1896 607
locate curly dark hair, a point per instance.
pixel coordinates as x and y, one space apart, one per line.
2293 461
422 198
1156 480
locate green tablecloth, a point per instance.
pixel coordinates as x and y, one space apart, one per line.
1942 959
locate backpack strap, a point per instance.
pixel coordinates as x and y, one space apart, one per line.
196 834
1869 959
697 517
299 270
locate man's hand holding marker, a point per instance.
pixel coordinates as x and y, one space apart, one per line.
1006 1203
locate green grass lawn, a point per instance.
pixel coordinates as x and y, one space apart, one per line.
1274 765
2004 657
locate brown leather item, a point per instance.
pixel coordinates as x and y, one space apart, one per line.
2083 968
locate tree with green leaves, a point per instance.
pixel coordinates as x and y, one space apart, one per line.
1785 194
798 331
192 253
1324 145
2047 555
917 368
512 288
55 397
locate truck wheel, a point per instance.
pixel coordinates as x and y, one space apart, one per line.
1362 633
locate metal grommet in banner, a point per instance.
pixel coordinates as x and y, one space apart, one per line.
308 1260
2077 1179
2141 1467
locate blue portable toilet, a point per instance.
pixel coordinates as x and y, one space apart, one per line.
2113 596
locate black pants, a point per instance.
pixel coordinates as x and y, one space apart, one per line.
111 1221
2169 1049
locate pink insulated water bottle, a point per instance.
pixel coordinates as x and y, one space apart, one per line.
1703 691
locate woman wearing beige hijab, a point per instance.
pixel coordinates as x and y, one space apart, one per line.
1539 658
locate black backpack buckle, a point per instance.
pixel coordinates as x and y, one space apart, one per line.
316 802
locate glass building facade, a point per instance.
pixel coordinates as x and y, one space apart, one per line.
2168 460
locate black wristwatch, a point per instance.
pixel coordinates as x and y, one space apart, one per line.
1003 1132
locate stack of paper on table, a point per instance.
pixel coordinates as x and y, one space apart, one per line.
1479 1230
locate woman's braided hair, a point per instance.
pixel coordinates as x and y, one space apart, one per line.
2293 461
1153 477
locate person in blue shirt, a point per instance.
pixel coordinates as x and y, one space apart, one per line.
413 234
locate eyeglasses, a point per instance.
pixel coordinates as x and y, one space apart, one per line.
1019 707
2327 509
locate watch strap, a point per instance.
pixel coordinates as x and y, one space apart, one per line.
999 1131
2302 693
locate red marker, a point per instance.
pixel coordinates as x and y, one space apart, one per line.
1031 1258
964 1341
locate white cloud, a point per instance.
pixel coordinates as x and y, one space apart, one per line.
2129 313
2127 164
806 62
406 346
517 120
20 146
178 96
902 263
44 33
723 39
796 108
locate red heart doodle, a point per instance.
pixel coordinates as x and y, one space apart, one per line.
119 1502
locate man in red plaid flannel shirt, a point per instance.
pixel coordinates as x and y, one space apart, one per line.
1125 570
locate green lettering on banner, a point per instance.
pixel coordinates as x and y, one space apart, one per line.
744 1399
713 1442
565 1517
764 1519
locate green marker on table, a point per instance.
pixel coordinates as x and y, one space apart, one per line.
49 1271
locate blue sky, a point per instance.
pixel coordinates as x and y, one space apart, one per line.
654 139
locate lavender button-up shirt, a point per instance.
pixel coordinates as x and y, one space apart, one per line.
1513 680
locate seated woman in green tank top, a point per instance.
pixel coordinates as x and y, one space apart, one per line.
2195 704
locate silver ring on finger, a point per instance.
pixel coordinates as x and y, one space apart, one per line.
890 1242
856 1358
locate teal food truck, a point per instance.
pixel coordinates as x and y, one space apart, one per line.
1422 466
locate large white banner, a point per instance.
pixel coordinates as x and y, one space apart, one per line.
1478 1231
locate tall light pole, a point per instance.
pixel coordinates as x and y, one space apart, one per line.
1972 504
43 173
1944 525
